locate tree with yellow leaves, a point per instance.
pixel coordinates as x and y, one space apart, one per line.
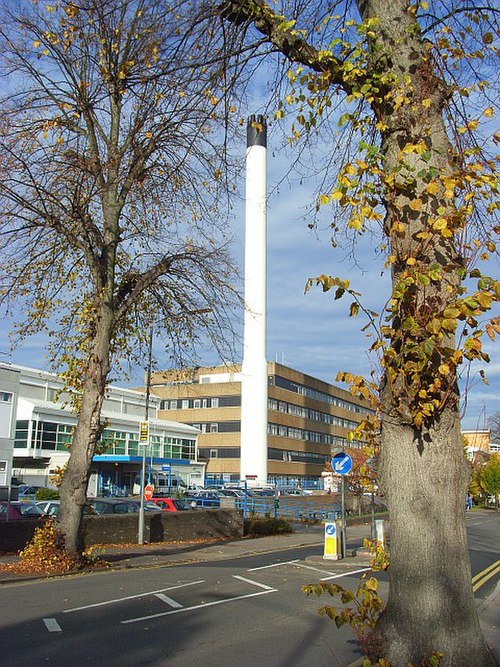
401 93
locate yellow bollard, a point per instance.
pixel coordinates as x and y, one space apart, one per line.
332 549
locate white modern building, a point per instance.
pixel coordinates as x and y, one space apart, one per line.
9 391
44 424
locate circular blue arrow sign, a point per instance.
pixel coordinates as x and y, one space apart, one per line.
330 529
342 463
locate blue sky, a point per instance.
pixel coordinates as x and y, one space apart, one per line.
309 332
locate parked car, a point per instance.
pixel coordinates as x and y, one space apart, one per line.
233 493
19 510
240 489
171 504
25 492
51 507
205 498
121 506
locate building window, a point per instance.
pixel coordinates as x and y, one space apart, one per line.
214 428
213 453
21 437
215 403
173 405
197 403
5 397
185 404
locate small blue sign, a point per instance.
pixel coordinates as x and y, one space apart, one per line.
342 463
330 529
166 467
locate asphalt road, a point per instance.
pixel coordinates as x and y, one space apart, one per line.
238 613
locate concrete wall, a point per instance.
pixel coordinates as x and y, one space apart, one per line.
123 528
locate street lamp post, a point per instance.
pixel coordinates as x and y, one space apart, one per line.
146 444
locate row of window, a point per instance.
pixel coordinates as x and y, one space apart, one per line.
301 389
199 403
309 413
277 429
273 454
54 436
273 404
311 436
220 427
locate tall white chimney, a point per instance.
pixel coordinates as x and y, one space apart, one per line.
253 466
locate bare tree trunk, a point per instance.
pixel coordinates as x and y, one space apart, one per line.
73 490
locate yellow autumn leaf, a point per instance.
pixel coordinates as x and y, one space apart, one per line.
324 200
440 223
411 261
415 204
444 369
488 112
432 188
427 102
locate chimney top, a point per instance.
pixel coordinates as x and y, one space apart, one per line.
256 131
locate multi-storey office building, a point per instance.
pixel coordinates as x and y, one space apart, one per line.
44 425
308 419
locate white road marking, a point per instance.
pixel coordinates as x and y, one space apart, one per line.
346 574
310 567
52 625
167 600
198 606
265 567
133 597
254 583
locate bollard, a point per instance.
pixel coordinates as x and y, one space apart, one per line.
380 531
332 541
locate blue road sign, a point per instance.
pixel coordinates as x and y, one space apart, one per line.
166 467
342 463
330 529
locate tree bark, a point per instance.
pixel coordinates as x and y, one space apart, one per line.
431 605
73 490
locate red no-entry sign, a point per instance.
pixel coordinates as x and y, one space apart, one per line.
148 492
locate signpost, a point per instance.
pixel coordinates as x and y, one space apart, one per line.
342 465
144 440
148 492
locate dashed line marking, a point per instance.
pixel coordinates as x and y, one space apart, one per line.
266 567
346 574
52 625
254 583
167 600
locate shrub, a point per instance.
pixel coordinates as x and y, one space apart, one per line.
45 554
267 525
47 494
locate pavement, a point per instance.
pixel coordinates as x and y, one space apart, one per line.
171 554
